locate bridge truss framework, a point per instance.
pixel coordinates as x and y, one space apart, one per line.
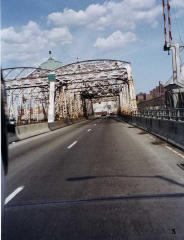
76 87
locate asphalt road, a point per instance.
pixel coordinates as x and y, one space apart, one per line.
100 179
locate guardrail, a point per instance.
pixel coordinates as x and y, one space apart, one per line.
169 114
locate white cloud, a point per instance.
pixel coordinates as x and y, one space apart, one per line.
179 6
27 44
59 35
125 15
71 17
116 40
117 20
177 3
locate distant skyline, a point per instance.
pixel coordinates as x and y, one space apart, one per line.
127 30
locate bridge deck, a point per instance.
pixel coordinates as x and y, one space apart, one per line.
100 179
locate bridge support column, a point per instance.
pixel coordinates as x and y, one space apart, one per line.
19 108
51 110
132 95
120 101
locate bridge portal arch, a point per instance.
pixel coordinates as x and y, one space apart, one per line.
77 88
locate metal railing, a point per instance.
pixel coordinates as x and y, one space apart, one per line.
169 114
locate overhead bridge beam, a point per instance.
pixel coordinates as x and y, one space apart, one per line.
96 80
67 74
19 87
101 86
76 85
107 96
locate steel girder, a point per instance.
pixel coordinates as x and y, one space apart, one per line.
76 84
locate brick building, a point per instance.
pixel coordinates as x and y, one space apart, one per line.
154 99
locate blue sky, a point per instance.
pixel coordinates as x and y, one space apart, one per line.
129 30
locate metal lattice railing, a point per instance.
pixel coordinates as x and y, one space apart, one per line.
169 114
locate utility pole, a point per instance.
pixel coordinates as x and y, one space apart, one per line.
175 86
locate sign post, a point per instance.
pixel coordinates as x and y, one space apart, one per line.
51 111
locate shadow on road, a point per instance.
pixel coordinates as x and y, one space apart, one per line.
102 198
97 199
158 142
143 132
83 178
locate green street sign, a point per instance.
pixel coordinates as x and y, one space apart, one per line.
52 77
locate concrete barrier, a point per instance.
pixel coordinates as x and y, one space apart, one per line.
63 123
59 124
169 130
26 131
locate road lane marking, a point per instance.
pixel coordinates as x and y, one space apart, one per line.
179 154
89 130
71 145
95 124
13 194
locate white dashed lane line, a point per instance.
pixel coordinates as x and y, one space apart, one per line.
179 154
71 145
13 194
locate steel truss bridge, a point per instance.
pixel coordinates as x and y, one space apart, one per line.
76 87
